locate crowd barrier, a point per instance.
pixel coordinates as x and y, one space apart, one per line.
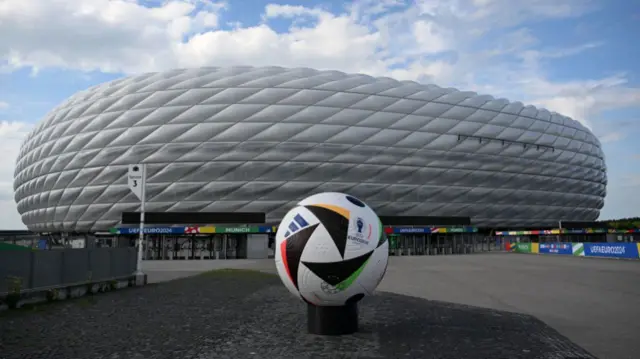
36 270
580 249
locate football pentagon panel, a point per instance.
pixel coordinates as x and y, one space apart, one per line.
261 139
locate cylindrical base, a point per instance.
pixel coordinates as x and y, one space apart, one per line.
332 320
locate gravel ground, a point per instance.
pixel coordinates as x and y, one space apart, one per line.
233 314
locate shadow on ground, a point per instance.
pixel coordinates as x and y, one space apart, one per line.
243 314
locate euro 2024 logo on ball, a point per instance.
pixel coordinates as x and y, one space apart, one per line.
359 232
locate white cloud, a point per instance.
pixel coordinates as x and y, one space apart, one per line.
612 137
11 136
481 45
123 36
3 105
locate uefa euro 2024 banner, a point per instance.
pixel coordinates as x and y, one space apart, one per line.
611 250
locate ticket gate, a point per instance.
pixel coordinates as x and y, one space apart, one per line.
437 244
197 247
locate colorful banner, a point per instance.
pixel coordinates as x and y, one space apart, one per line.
567 231
556 248
429 230
509 247
195 230
611 250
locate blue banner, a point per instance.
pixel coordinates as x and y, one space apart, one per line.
556 248
411 230
269 229
611 250
43 243
151 230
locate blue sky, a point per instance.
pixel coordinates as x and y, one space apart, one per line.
576 57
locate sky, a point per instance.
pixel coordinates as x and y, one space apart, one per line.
575 57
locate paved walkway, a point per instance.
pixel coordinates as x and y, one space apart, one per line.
231 315
594 302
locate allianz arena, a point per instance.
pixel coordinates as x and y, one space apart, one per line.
247 139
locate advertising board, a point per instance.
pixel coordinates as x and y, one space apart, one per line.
555 248
611 250
523 248
149 230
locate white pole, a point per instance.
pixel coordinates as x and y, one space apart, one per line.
143 188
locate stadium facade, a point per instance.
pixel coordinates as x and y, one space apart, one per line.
246 139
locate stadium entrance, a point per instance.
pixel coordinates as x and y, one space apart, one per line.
199 243
412 241
217 246
184 239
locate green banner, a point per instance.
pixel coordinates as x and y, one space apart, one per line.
13 247
523 248
237 229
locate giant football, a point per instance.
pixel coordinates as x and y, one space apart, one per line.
331 250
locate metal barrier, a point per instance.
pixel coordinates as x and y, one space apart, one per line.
39 270
442 244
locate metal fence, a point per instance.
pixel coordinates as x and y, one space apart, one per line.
438 244
38 270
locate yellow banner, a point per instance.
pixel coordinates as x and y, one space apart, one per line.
535 247
208 229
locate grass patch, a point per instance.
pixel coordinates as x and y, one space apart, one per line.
83 301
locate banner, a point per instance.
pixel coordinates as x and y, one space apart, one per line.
567 231
577 249
429 230
535 247
523 248
13 247
195 230
232 230
611 250
148 230
556 248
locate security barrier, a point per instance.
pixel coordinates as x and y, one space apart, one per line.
36 269
579 249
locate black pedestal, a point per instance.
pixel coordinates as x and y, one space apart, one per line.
332 320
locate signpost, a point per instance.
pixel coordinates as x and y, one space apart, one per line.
137 183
